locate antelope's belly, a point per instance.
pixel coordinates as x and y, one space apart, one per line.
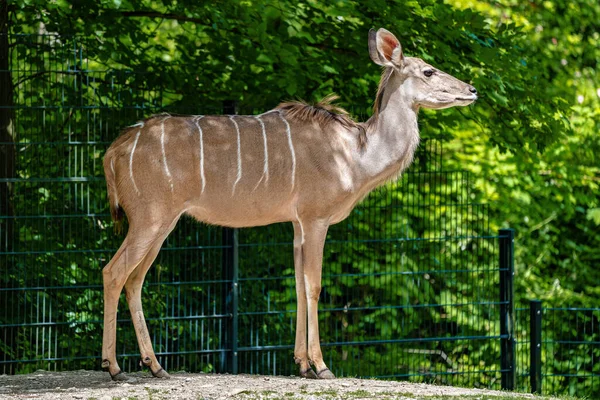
240 213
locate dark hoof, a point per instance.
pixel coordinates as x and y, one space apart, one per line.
161 373
325 374
308 374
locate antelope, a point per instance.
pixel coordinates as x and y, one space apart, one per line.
299 163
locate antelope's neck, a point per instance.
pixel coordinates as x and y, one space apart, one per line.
394 138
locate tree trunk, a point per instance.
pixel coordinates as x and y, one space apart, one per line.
7 172
7 146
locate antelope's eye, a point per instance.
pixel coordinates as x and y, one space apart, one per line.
428 72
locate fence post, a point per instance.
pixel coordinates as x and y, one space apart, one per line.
233 301
507 309
535 348
230 266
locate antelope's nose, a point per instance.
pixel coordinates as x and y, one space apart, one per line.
472 89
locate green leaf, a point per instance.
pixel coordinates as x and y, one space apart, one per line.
593 214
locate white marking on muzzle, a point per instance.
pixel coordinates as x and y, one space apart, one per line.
202 177
291 145
265 174
239 155
164 154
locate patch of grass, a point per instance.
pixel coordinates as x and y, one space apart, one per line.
515 396
259 395
394 394
328 392
152 392
244 395
361 393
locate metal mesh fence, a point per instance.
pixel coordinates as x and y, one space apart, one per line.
569 351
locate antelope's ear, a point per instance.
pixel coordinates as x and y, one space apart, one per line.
384 48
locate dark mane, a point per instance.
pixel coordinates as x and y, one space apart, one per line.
385 77
325 113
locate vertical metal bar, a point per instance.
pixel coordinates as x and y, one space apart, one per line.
507 309
234 302
226 298
230 274
229 107
535 349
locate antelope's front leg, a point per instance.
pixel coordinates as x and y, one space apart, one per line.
301 347
312 251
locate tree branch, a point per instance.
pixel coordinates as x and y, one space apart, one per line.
177 17
334 49
155 14
29 77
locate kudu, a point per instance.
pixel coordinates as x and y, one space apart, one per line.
305 164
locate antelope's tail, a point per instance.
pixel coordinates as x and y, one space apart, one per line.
116 212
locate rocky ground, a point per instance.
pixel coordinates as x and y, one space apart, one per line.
97 385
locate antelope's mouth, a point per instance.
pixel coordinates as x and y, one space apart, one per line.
472 98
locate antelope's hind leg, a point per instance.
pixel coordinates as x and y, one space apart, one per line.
133 293
133 253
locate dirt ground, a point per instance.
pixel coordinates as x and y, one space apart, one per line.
97 385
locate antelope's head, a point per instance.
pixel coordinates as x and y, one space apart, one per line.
423 84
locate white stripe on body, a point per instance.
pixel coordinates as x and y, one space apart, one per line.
137 136
301 227
289 135
164 154
267 112
239 155
112 168
265 174
200 133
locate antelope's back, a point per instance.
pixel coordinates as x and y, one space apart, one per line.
226 170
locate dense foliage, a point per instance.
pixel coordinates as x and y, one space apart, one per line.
551 197
530 142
